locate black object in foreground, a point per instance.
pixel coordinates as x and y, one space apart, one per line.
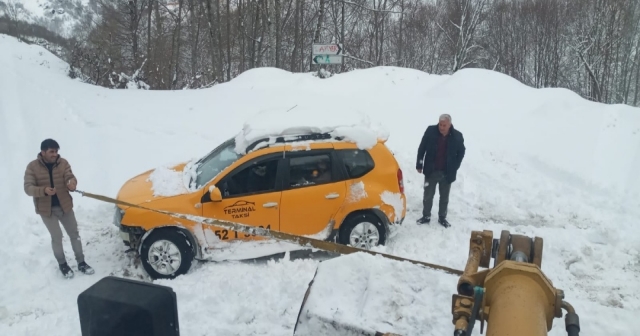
124 307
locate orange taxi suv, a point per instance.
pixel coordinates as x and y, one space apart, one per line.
327 189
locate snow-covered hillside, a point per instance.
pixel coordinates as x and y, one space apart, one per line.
539 162
59 16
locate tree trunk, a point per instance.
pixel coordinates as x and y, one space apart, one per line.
212 43
174 80
316 36
242 33
342 37
261 39
148 64
400 35
254 34
302 36
133 30
228 39
266 20
296 37
278 34
383 17
194 39
220 50
158 49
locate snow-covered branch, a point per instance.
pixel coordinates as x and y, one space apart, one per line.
367 8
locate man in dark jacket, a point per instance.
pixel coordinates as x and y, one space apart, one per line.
439 157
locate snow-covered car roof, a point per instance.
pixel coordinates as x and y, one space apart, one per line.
300 124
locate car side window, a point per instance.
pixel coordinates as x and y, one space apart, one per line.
310 170
356 162
259 177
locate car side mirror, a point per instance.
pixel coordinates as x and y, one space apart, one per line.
212 195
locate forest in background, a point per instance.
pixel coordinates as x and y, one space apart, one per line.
591 47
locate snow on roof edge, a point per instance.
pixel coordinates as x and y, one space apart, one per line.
343 124
363 137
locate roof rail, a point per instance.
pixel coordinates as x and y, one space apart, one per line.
293 138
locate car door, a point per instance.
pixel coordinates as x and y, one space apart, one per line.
313 191
251 195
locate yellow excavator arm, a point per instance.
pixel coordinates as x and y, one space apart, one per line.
514 297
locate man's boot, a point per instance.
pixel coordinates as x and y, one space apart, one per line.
84 268
66 271
443 222
424 220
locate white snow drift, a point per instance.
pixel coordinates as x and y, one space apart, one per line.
539 162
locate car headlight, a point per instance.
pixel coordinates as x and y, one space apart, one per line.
117 216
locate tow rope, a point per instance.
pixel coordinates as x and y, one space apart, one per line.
278 235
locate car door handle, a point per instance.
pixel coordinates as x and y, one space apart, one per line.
270 204
332 196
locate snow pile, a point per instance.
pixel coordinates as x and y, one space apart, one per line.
243 250
539 162
395 201
324 234
357 192
167 182
298 120
361 294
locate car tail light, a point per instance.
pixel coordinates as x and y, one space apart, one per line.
400 181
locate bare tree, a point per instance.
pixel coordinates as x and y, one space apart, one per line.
278 15
461 19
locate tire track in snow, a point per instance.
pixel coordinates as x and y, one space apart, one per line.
13 134
13 127
14 131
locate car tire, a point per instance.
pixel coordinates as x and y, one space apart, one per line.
367 226
166 254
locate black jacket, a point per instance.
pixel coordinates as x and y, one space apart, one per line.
427 152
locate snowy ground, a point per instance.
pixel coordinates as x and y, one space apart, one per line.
539 162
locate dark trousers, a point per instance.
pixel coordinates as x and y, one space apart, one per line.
70 225
430 181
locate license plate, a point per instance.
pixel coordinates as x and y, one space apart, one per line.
124 235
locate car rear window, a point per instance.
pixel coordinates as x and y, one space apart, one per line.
356 162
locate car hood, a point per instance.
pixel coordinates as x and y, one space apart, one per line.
139 189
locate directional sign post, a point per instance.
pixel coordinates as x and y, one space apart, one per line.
327 59
327 53
327 49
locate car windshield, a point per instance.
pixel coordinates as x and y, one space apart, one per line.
215 162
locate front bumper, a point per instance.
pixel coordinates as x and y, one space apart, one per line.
130 235
117 216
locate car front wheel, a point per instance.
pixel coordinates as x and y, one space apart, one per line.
166 254
364 230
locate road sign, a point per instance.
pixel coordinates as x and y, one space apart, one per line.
327 59
327 49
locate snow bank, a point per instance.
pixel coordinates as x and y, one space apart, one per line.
361 294
238 250
269 124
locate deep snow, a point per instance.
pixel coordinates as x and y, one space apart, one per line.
539 162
